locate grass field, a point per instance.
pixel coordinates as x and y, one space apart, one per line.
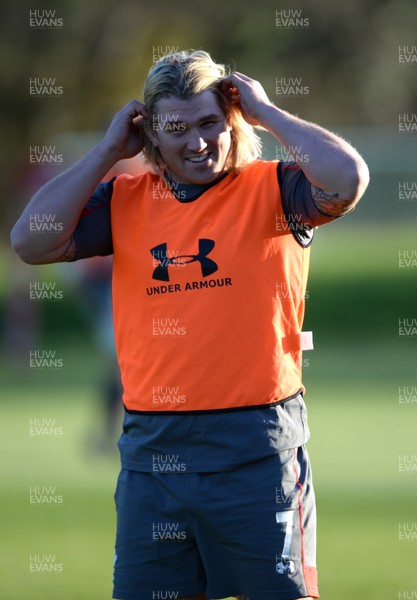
360 428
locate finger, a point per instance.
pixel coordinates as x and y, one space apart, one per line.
235 78
232 85
230 90
140 118
228 82
241 76
135 108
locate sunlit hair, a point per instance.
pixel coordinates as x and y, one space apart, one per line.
184 75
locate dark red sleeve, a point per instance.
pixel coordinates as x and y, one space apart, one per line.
93 235
296 196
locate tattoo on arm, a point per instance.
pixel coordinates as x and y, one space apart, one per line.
330 204
69 253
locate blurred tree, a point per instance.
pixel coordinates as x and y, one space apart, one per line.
347 56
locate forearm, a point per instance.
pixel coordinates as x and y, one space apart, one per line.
329 162
43 231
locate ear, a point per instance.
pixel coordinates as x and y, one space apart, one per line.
152 133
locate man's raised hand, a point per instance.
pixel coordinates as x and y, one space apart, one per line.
248 94
125 135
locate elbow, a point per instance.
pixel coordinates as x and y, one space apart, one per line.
21 247
357 180
353 180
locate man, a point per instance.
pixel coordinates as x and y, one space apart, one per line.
211 252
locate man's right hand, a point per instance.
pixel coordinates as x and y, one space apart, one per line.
64 197
125 136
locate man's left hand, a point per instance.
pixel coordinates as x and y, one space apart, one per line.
248 94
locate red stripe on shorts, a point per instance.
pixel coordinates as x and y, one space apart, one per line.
309 573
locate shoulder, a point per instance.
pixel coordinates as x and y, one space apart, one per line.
259 169
132 181
128 187
261 166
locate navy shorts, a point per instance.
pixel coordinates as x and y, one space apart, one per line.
250 532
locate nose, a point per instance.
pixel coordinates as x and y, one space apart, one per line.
196 142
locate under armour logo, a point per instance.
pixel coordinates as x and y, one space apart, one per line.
160 253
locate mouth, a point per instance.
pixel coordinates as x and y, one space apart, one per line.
199 158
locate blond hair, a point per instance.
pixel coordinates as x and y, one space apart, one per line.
188 73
